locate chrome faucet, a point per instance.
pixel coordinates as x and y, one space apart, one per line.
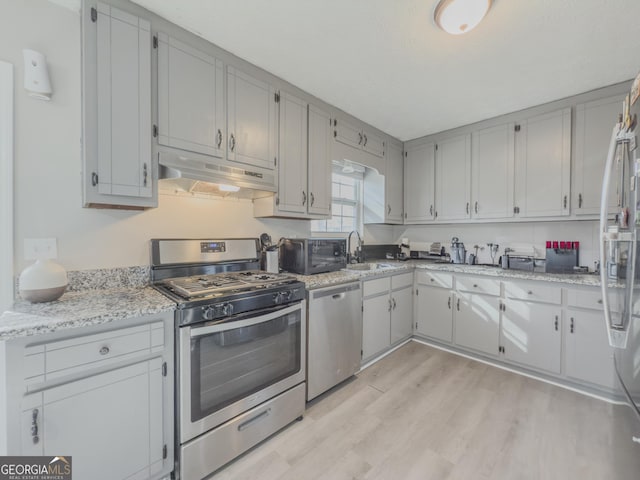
357 258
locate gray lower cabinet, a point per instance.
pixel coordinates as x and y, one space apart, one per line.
588 357
477 322
434 302
477 313
111 423
118 168
387 316
102 396
376 324
401 314
531 334
191 114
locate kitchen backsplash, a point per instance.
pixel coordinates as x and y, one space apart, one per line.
521 236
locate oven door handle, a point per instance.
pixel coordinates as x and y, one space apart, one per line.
262 317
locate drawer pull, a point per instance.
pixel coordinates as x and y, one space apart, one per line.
104 350
248 423
475 285
530 292
600 301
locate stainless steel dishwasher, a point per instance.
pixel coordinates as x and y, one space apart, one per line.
334 336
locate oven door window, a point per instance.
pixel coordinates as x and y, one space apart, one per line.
231 364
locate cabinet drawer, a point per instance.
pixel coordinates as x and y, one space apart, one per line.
101 347
488 286
533 292
401 281
222 444
435 279
589 298
375 287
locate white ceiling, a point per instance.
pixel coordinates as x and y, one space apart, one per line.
385 62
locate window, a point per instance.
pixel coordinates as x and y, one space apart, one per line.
346 204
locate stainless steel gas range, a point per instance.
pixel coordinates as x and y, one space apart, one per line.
240 348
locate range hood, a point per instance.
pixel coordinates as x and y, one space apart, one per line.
186 171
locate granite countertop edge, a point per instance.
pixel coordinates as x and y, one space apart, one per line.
77 309
329 279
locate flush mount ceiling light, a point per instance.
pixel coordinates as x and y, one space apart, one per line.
460 16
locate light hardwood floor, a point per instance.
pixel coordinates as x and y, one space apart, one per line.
421 413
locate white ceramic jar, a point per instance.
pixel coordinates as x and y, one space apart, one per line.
44 281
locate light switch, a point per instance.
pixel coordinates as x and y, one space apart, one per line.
40 248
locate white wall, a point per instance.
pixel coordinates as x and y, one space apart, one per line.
518 235
48 164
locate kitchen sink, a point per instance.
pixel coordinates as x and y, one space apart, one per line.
368 266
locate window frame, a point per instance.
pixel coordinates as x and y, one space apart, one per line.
357 203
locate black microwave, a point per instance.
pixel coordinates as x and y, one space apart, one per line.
307 256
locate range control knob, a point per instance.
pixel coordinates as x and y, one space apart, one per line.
209 313
227 309
277 298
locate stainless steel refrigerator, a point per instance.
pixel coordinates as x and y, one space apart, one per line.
620 279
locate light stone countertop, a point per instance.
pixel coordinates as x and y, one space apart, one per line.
393 266
76 309
81 307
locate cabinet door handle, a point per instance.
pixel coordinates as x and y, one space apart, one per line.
360 141
304 198
232 142
571 326
394 303
431 210
219 138
365 140
389 308
34 426
476 207
565 201
467 208
579 200
94 179
145 174
448 301
388 209
458 304
104 350
555 324
313 199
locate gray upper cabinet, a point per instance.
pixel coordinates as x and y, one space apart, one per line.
393 185
191 113
594 125
383 194
319 166
117 131
453 178
293 195
357 137
492 165
252 120
419 183
304 165
543 160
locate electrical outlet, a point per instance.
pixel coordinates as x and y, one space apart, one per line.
40 248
